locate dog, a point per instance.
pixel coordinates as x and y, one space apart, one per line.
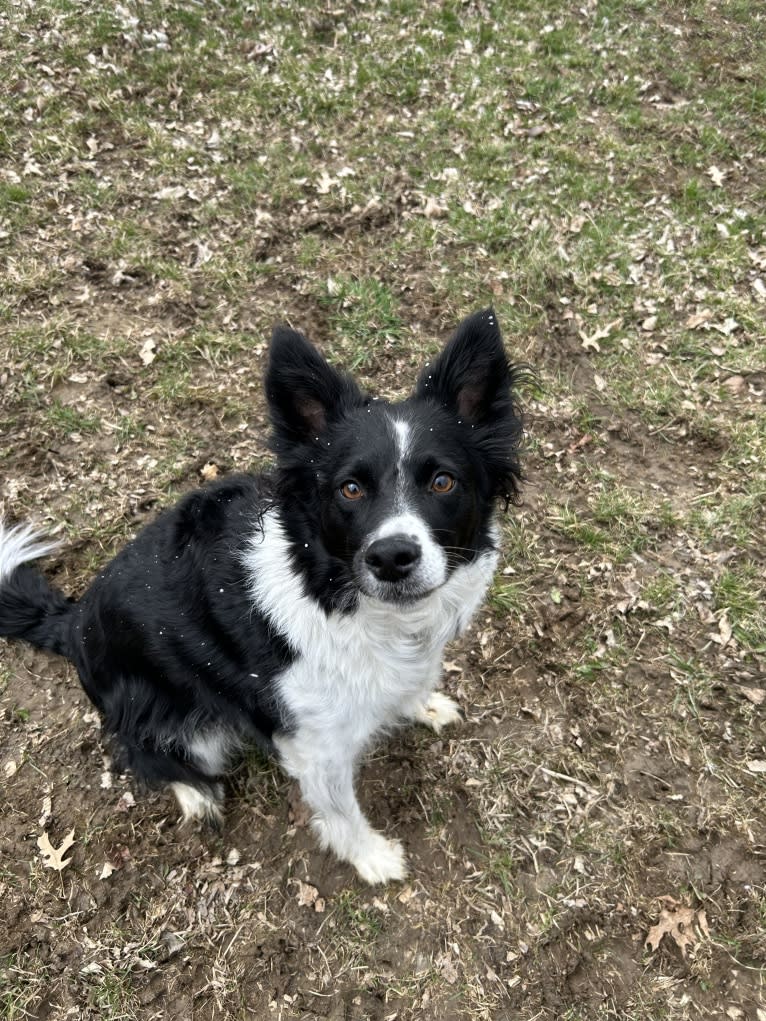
306 609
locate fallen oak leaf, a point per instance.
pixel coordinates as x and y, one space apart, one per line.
592 340
682 923
53 857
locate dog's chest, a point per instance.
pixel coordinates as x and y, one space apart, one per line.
357 671
363 669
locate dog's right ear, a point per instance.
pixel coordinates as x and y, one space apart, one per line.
304 393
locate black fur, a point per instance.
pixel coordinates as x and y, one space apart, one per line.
167 641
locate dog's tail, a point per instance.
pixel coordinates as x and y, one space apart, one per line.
29 607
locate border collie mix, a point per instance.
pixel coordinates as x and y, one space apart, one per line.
306 609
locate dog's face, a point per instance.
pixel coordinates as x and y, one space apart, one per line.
399 499
393 497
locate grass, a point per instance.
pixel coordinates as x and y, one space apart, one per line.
19 986
363 317
370 174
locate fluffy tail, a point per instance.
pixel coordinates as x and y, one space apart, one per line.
29 608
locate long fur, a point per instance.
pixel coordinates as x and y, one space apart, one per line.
305 610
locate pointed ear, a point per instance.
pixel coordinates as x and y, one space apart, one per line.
471 376
303 391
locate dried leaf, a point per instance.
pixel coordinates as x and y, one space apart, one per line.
698 319
210 471
204 253
757 765
724 632
666 622
106 870
591 340
308 897
434 209
448 969
176 191
727 327
406 895
716 175
126 802
735 384
325 183
147 354
755 695
53 857
683 924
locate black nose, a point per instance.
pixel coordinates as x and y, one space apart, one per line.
392 558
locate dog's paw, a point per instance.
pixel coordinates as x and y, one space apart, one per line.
383 860
199 805
439 711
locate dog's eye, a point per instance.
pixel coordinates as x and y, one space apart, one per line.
352 490
443 483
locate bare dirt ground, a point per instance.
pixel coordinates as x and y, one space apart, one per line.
590 843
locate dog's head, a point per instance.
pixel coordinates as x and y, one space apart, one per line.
389 498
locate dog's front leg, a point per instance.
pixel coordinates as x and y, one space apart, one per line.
326 777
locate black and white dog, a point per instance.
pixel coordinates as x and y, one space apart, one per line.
307 609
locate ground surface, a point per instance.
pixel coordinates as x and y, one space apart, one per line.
174 178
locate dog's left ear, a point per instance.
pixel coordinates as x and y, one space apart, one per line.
304 393
472 375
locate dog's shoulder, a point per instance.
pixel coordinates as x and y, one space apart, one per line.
204 512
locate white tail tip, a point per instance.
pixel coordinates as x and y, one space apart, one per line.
20 544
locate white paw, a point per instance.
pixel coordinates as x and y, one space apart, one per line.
383 860
439 711
196 804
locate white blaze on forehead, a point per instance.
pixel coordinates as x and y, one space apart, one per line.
403 436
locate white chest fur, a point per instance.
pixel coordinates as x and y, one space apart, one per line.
359 672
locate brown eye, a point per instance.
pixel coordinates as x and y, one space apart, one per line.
352 490
443 483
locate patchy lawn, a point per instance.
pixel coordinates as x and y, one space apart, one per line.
174 178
